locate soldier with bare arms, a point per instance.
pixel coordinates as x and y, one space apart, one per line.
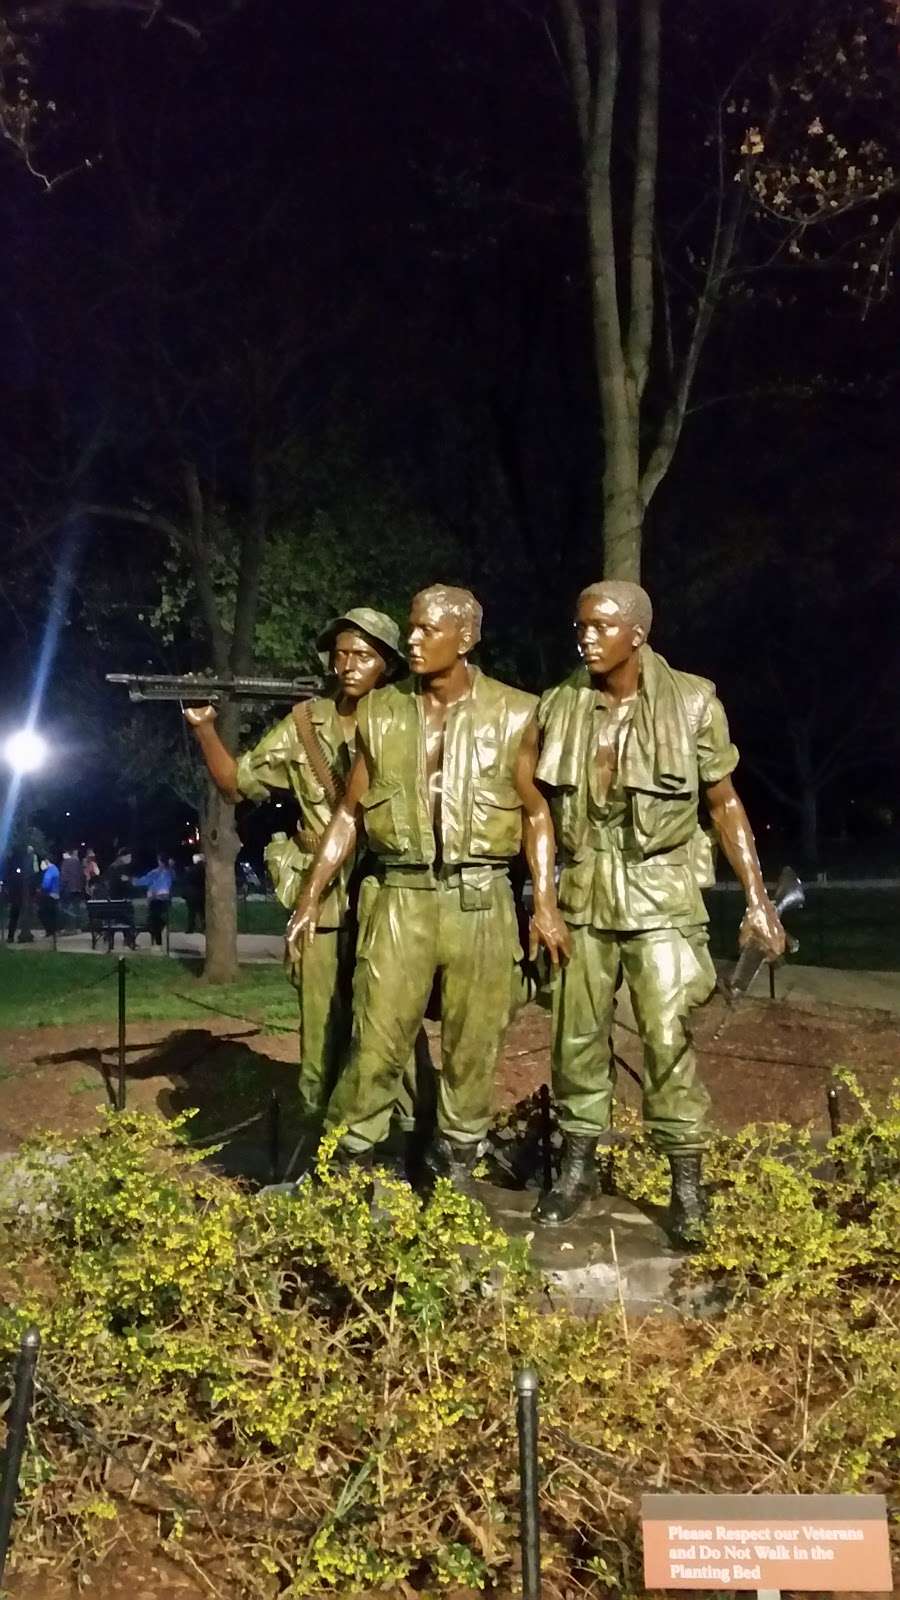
443 783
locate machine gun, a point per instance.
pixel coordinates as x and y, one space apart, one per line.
203 691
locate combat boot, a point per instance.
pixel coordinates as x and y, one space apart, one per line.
347 1161
444 1158
577 1182
686 1220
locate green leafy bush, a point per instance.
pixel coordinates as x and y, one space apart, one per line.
313 1394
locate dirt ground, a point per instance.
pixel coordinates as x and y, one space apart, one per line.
773 1062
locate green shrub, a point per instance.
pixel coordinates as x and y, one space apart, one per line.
313 1394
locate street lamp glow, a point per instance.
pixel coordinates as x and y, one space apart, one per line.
25 751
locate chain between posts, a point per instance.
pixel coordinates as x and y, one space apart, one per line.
177 1502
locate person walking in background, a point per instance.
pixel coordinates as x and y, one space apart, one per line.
158 884
48 905
71 874
15 868
194 891
115 883
91 870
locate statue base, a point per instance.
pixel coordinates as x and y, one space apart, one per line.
611 1253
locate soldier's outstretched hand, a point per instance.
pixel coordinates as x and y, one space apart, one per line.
548 929
197 714
762 925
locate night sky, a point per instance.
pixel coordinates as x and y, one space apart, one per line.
343 245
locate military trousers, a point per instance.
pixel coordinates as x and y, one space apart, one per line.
468 937
323 978
668 971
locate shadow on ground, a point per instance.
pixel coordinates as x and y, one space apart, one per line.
224 1080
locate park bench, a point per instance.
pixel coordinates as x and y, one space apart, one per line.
106 918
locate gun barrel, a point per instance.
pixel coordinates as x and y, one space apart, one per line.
209 691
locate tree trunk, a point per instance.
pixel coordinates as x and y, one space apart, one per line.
220 847
622 506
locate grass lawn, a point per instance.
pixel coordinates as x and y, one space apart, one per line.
43 988
253 916
849 928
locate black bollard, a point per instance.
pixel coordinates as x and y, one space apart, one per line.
771 980
546 1139
834 1110
120 1087
17 1431
529 1513
274 1136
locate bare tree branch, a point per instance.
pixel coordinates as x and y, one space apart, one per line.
579 71
640 330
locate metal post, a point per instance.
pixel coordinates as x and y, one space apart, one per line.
529 1516
771 980
834 1110
546 1139
120 1090
274 1136
17 1430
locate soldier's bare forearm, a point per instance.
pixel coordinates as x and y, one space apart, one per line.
540 853
735 835
220 763
335 846
762 923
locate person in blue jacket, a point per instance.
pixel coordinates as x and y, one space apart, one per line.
158 884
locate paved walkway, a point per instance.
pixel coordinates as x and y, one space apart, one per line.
251 946
843 987
837 986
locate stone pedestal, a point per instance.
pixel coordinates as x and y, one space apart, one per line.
611 1249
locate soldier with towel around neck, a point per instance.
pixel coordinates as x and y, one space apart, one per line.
628 745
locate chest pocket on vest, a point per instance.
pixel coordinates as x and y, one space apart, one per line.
382 806
662 821
496 820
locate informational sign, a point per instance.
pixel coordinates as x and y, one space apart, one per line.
828 1542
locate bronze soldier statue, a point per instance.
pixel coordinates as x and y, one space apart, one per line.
628 745
443 782
310 752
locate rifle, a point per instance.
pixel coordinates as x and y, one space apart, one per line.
787 895
204 691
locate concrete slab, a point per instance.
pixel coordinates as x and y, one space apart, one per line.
611 1253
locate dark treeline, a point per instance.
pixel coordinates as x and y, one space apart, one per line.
308 323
